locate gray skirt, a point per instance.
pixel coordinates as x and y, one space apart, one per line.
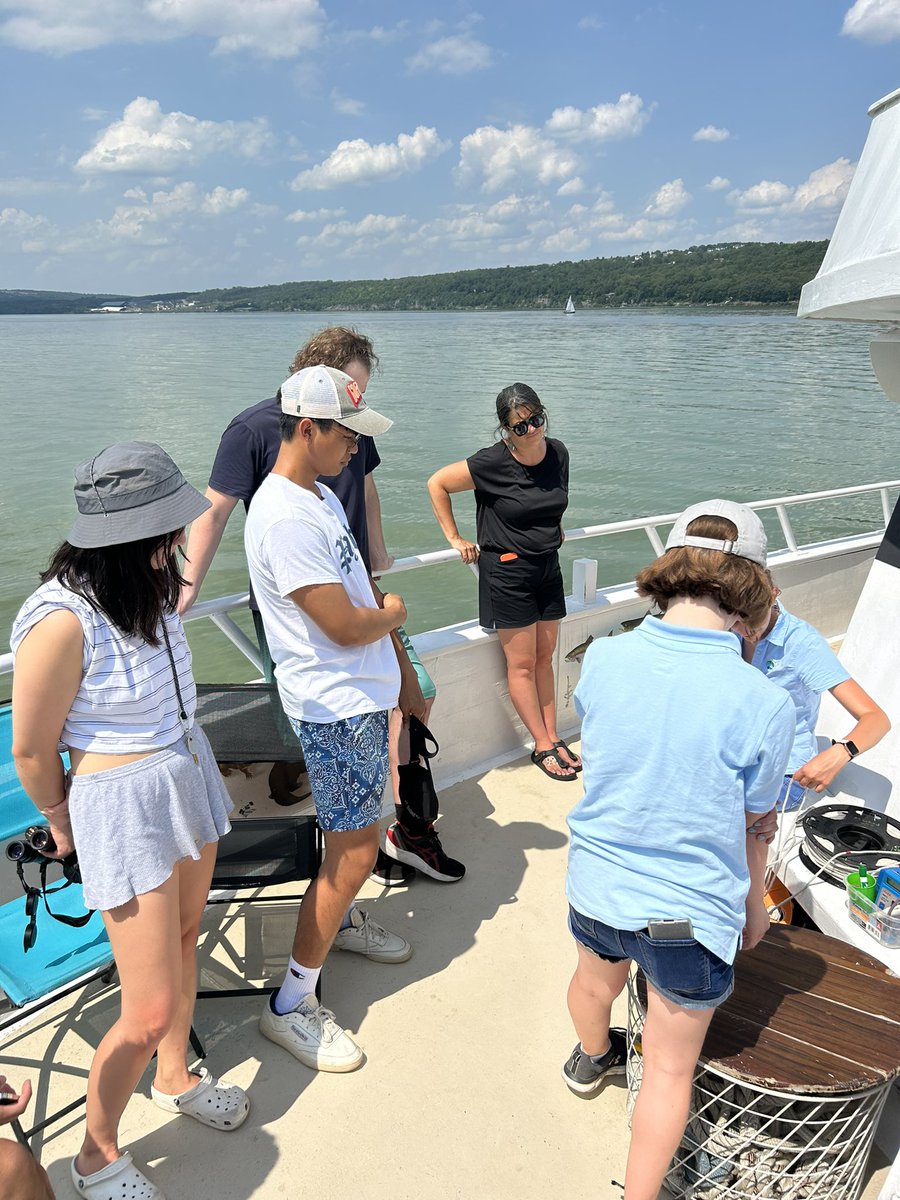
132 824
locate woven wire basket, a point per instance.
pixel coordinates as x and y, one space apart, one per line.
745 1142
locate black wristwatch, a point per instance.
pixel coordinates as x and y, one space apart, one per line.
851 747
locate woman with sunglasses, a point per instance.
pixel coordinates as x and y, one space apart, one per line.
103 666
521 486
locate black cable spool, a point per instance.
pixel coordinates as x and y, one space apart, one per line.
854 833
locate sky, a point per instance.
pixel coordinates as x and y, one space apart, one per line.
165 145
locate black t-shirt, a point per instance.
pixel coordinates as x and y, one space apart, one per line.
247 454
519 508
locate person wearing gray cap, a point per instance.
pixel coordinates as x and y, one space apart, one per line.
102 666
683 747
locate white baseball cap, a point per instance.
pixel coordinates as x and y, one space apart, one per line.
751 537
330 395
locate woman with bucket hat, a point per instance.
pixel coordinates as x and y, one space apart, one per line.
103 666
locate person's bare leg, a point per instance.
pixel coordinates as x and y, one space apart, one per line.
145 935
545 646
398 744
349 858
520 648
672 1039
595 985
21 1176
172 1075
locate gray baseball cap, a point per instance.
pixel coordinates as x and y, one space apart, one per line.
328 394
129 491
751 540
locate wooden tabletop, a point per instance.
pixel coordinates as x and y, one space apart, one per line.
808 1013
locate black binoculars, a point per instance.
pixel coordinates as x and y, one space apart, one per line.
36 843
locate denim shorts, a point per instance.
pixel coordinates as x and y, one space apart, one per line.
791 795
682 971
347 763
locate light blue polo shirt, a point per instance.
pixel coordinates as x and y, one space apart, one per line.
797 658
679 737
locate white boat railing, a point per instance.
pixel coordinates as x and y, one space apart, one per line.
218 610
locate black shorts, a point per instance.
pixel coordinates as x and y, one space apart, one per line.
512 595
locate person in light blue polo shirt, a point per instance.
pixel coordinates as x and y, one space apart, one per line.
794 655
684 746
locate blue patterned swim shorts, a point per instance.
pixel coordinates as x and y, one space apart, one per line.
347 763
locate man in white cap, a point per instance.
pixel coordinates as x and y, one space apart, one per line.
338 675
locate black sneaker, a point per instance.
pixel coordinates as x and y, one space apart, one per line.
425 853
584 1076
389 873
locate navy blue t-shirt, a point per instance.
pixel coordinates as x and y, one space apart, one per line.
247 454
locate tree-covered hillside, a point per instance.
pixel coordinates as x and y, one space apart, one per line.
735 273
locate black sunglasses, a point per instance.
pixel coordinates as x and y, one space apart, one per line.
536 421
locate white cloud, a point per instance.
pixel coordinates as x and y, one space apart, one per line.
824 190
626 118
357 161
459 54
670 198
267 28
221 200
826 187
353 237
711 133
152 220
873 20
590 23
571 187
495 158
318 214
152 142
717 184
346 106
21 231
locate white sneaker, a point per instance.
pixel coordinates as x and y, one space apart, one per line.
311 1034
365 936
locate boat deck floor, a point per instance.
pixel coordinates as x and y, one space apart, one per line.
460 1095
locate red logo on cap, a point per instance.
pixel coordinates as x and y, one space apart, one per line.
354 393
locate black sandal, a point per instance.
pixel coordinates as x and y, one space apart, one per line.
561 745
538 757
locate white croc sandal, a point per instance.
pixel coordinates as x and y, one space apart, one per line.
119 1180
211 1102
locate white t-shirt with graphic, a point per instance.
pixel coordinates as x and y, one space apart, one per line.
294 539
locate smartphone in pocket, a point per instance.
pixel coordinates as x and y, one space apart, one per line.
670 929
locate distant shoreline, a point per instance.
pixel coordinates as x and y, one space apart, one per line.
739 275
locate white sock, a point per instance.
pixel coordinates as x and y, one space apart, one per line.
346 922
299 981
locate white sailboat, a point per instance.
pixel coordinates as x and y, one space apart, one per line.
570 307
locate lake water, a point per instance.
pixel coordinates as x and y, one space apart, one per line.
659 408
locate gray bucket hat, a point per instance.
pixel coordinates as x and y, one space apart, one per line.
129 491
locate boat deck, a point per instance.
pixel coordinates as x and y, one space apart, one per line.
460 1095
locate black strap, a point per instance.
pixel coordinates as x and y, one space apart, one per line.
44 892
419 737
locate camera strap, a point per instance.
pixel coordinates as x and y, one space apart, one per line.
43 891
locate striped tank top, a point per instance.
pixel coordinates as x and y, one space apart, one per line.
127 701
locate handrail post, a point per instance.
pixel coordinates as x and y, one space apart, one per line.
238 638
786 527
885 507
655 540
